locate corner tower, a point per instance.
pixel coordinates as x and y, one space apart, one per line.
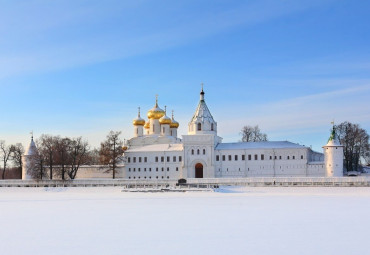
28 160
333 153
202 121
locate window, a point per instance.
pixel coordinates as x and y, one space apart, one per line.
199 127
211 126
162 159
168 159
156 159
134 169
134 159
162 169
145 159
229 157
204 151
138 169
177 169
156 169
249 157
270 157
279 157
168 169
301 156
243 157
168 177
293 157
223 157
128 159
129 177
217 158
174 159
150 177
162 177
236 157
157 177
150 169
198 151
144 169
140 159
192 152
129 169
262 157
255 157
287 157
180 158
275 157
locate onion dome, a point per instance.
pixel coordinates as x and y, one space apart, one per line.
165 119
174 123
147 125
156 112
138 121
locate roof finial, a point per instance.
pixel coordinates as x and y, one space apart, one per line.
156 100
172 114
165 109
202 93
138 112
31 133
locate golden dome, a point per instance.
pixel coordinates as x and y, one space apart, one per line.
138 121
174 123
124 148
155 112
165 120
147 125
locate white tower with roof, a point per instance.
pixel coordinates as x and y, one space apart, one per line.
200 143
28 160
333 154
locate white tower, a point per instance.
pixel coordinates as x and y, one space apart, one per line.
138 125
28 160
200 143
333 153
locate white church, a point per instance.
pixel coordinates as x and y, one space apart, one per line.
155 152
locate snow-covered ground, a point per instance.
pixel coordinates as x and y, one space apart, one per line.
233 221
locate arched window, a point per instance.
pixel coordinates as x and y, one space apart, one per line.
212 126
204 151
198 151
192 152
199 127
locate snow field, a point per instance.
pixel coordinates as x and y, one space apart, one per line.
233 221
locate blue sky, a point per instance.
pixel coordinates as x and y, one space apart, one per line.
81 68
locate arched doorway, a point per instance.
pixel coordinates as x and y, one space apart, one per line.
199 170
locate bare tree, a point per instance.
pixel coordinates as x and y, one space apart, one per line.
17 155
111 151
252 134
62 158
47 151
356 144
78 151
36 168
5 153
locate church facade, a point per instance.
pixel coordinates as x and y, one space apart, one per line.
155 152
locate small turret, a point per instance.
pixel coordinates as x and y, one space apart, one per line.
174 126
333 153
165 122
28 160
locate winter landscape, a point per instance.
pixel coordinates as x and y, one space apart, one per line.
235 220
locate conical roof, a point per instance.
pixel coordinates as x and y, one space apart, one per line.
31 149
333 139
202 112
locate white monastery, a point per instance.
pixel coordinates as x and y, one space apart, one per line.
155 152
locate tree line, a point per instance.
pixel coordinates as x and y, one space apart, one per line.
62 157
